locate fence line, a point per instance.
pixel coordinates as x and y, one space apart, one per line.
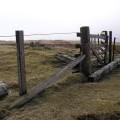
46 34
43 34
84 61
8 36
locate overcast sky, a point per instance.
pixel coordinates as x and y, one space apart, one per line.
47 16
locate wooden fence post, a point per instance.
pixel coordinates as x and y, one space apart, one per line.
98 41
106 47
85 46
21 63
113 57
110 46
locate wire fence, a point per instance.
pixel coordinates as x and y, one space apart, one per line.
46 44
40 34
43 36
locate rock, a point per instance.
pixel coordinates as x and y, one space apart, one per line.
3 89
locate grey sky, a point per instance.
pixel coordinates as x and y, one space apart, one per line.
47 16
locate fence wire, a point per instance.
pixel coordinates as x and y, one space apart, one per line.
44 34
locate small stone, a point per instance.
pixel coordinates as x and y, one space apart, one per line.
3 89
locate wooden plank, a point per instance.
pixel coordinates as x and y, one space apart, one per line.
99 74
96 54
46 83
73 58
21 63
64 58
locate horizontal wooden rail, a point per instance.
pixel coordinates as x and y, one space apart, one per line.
64 58
93 36
97 36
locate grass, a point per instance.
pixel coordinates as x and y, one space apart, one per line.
71 98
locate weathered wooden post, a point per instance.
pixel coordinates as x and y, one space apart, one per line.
110 46
98 41
21 63
106 47
113 57
85 46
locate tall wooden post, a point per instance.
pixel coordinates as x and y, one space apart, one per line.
85 46
98 41
106 48
113 57
21 63
110 46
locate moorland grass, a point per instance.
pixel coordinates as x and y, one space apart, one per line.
68 99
